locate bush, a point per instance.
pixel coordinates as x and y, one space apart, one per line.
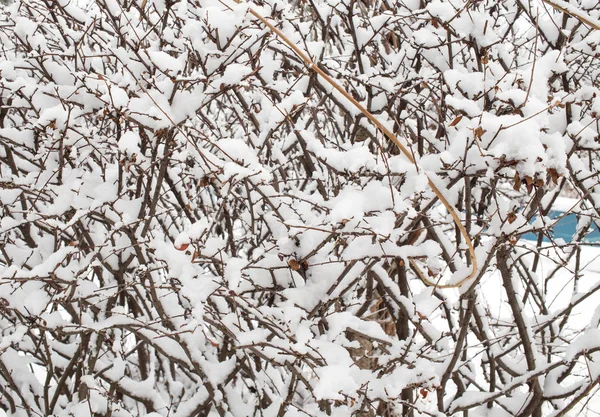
196 223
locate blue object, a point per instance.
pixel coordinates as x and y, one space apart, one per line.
565 228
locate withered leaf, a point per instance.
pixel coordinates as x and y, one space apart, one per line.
182 247
294 265
517 183
456 121
553 174
478 132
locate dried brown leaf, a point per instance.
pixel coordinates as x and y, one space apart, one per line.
517 182
456 121
294 265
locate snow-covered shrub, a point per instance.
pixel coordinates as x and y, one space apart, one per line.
196 224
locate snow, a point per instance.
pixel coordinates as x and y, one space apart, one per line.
119 97
442 10
233 75
339 322
589 340
167 63
130 143
233 272
245 162
352 203
334 381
